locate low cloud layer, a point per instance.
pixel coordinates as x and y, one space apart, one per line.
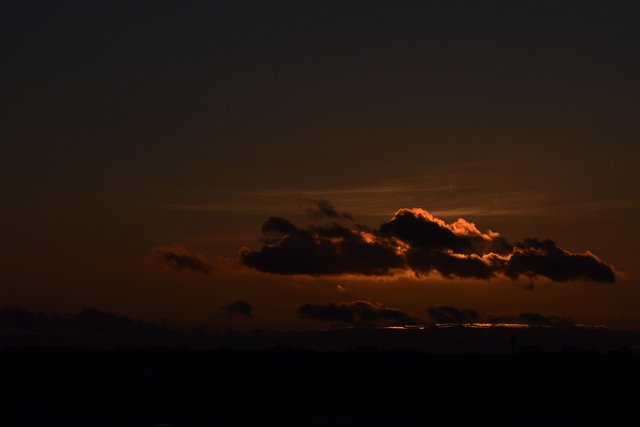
453 315
533 319
414 242
457 316
360 313
178 258
238 308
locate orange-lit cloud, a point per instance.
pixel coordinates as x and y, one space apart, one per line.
414 241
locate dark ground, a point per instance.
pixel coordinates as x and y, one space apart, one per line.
283 386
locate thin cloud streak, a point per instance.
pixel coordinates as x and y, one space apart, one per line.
178 258
443 200
448 190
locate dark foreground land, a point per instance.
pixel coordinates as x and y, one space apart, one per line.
52 386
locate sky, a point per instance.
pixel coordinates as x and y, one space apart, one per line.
145 145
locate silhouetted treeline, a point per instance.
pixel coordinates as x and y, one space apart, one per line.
282 386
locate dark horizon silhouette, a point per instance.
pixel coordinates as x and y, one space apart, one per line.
92 328
98 368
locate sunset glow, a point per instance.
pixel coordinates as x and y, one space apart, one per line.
320 213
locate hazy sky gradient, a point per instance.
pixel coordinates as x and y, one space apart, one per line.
132 125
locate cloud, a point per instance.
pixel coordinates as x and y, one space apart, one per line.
533 319
543 258
323 209
178 258
446 314
321 250
415 242
238 308
355 313
454 315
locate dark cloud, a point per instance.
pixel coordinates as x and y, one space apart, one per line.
356 313
533 319
318 251
277 227
239 308
340 313
454 315
446 314
448 265
415 242
178 258
543 258
423 231
323 209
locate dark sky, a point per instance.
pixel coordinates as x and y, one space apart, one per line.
129 126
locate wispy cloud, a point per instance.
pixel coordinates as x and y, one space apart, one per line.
449 191
178 258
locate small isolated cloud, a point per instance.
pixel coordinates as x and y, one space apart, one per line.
360 313
453 315
238 308
321 209
178 258
414 242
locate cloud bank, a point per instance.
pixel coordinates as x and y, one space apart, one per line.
360 313
414 242
533 319
456 316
